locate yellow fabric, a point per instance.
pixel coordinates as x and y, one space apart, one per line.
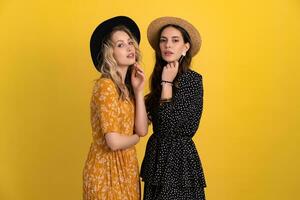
110 174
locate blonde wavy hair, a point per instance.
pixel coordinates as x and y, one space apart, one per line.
108 65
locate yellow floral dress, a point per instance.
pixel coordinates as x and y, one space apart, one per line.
108 174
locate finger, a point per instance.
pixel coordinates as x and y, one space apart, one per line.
141 75
172 64
133 72
137 65
140 72
176 64
139 69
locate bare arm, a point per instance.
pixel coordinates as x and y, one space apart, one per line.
116 141
141 120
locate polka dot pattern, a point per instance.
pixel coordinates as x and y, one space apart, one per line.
171 168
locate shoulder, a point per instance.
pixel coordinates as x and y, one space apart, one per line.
190 77
105 83
105 86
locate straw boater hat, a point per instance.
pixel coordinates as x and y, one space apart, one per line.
156 25
105 28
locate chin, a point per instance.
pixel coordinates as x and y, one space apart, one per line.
169 60
131 63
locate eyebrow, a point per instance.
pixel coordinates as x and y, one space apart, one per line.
129 39
171 37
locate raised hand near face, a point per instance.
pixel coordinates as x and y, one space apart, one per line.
137 79
170 71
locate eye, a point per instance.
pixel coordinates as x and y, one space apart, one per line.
120 45
130 42
162 40
175 40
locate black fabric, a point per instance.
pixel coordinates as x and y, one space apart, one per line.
171 158
173 193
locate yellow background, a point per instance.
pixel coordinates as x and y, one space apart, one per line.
249 134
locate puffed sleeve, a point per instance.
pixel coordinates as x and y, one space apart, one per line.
107 104
182 115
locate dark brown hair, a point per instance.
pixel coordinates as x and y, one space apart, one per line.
152 99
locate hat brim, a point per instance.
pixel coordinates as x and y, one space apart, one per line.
105 28
156 25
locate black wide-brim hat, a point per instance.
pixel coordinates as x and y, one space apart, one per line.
105 28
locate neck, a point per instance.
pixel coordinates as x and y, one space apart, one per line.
123 70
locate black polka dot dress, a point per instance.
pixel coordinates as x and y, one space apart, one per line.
171 168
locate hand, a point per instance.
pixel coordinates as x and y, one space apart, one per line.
137 137
137 79
170 71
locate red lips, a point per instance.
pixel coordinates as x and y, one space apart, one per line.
168 53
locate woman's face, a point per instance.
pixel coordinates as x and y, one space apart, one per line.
172 45
123 49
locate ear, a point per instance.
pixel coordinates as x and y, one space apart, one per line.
187 46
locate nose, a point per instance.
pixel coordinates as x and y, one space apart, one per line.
168 44
129 47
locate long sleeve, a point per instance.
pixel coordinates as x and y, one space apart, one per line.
171 156
182 115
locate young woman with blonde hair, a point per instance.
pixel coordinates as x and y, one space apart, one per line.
118 114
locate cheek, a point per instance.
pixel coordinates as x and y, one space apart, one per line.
161 46
181 49
118 54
